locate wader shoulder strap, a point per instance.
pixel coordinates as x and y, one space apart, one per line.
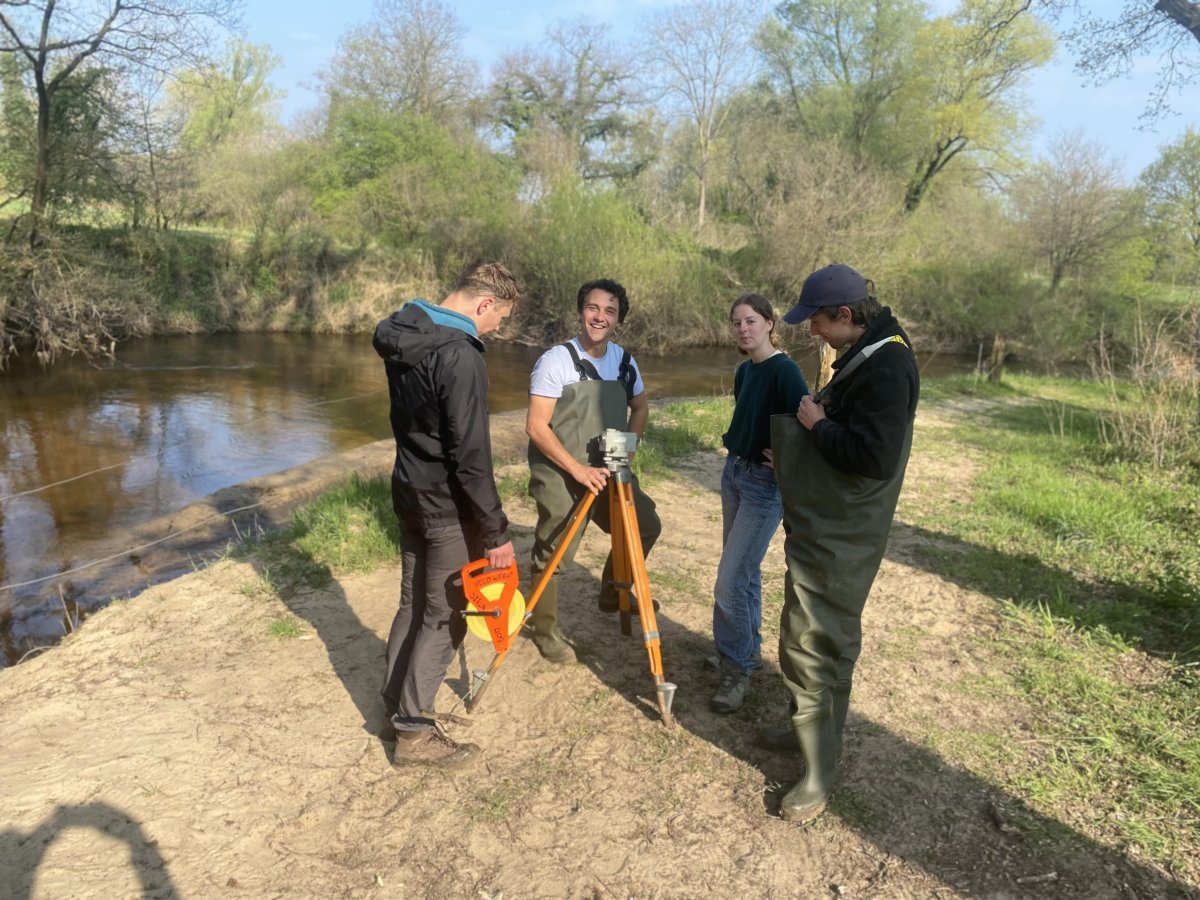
863 355
587 371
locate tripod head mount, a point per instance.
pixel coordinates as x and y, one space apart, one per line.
615 447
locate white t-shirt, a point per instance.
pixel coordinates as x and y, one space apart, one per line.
555 369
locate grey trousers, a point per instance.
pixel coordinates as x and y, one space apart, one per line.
426 630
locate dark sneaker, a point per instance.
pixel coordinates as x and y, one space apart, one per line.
734 689
431 747
780 738
553 648
713 663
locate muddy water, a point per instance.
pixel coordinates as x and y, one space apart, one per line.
88 453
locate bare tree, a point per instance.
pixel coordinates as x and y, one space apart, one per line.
576 98
408 57
56 38
1073 207
701 52
1108 47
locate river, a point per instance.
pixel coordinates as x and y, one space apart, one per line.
89 452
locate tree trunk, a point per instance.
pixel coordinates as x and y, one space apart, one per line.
996 363
825 373
1183 13
41 173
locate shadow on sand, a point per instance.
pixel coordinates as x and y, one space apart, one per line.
23 853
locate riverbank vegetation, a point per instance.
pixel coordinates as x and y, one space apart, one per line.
1087 560
746 148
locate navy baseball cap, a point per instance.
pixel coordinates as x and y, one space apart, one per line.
835 285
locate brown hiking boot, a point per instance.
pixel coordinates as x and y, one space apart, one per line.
387 731
431 747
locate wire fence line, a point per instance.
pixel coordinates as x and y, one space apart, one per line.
96 562
222 514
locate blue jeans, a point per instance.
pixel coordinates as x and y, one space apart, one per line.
751 511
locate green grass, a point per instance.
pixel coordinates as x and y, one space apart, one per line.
513 486
1055 520
1095 560
285 628
678 430
350 528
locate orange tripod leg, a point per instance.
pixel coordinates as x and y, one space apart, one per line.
622 570
635 558
578 517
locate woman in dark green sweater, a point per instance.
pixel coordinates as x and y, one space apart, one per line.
766 384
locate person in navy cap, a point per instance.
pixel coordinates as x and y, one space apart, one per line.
839 463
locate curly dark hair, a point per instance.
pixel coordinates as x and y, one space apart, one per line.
608 286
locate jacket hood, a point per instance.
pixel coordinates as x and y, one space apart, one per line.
409 335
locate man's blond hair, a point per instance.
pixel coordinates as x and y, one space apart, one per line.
488 277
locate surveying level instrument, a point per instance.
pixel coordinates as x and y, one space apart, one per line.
499 609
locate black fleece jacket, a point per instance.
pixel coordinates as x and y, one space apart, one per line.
439 386
869 411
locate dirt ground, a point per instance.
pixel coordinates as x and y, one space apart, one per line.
174 748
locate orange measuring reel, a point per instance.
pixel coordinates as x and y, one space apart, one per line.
499 607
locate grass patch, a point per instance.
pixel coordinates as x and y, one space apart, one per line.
1054 521
285 628
1129 752
1096 560
678 430
513 486
349 529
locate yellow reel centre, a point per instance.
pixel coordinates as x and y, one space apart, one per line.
478 625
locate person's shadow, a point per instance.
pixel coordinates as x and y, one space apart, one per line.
22 853
310 591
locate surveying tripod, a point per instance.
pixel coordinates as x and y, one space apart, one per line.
494 594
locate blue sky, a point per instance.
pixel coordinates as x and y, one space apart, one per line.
304 37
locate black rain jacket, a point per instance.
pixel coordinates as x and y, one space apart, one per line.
438 386
869 411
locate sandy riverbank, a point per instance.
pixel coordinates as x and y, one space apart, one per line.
175 748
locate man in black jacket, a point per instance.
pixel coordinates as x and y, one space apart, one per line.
443 492
839 463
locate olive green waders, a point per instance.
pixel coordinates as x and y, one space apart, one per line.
836 529
581 415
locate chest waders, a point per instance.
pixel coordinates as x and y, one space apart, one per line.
836 528
581 415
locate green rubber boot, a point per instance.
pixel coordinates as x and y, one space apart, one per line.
841 708
819 744
782 738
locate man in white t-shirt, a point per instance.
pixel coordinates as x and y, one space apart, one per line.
577 390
